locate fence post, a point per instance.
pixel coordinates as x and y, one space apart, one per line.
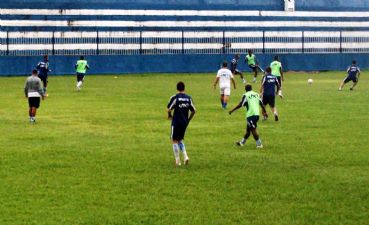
263 51
53 44
7 42
341 41
97 43
182 42
141 42
224 43
303 41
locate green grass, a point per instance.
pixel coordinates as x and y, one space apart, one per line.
103 155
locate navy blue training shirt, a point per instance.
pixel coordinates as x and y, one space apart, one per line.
353 70
269 83
43 68
182 104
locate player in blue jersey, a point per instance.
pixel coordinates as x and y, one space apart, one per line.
43 70
353 74
181 103
234 69
267 91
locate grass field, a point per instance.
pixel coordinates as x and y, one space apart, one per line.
103 155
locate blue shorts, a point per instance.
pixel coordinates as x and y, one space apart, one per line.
253 67
252 122
80 77
177 132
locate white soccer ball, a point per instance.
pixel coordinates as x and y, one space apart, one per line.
310 81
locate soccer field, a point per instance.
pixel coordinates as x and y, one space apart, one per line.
103 155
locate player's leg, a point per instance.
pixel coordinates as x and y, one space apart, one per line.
354 84
255 74
245 137
175 146
273 107
241 76
80 78
265 103
253 125
181 145
344 81
227 93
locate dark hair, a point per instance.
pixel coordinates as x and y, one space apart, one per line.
180 86
249 51
268 69
237 56
353 61
46 57
248 87
224 64
81 57
276 57
34 72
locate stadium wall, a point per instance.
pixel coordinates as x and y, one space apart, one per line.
117 64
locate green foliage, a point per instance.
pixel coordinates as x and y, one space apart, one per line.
103 155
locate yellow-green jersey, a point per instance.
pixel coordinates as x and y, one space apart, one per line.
251 59
276 67
82 66
251 100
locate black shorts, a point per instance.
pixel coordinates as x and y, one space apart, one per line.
253 67
178 132
44 80
236 71
80 77
252 122
269 100
349 78
34 102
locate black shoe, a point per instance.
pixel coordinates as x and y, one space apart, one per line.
351 89
276 118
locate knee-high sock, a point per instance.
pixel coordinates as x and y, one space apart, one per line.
176 152
182 147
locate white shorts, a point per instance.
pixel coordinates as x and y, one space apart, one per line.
225 91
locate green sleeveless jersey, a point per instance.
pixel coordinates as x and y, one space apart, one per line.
253 100
276 67
81 66
251 59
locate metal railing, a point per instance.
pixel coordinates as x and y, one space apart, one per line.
181 42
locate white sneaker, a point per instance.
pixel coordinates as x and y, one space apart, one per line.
259 146
340 89
254 80
244 81
178 163
239 143
186 161
280 94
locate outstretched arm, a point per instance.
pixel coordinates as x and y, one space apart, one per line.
281 70
235 108
216 82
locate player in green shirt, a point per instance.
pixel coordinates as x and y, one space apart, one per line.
250 59
81 69
251 100
277 71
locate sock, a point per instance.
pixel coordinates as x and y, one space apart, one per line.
182 147
79 84
225 105
280 92
275 113
176 152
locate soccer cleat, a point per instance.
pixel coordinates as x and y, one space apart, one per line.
265 117
276 118
178 163
254 80
259 146
239 143
351 89
186 161
244 81
340 89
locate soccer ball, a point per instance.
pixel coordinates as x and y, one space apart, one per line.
310 81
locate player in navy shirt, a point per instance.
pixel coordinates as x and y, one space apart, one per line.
267 91
353 73
181 103
43 70
234 69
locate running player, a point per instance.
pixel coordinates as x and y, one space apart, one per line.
353 74
33 90
267 91
234 69
43 70
250 59
81 69
277 71
181 103
251 100
224 77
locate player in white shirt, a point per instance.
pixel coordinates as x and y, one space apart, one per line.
224 77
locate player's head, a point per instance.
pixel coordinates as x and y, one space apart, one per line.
34 72
237 56
353 62
225 64
46 57
81 57
248 87
180 86
268 70
276 58
249 51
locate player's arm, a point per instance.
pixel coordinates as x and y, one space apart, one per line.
26 89
358 73
234 83
170 106
41 90
192 109
215 82
242 103
38 66
262 86
87 67
281 71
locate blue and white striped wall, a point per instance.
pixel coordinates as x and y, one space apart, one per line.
181 31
